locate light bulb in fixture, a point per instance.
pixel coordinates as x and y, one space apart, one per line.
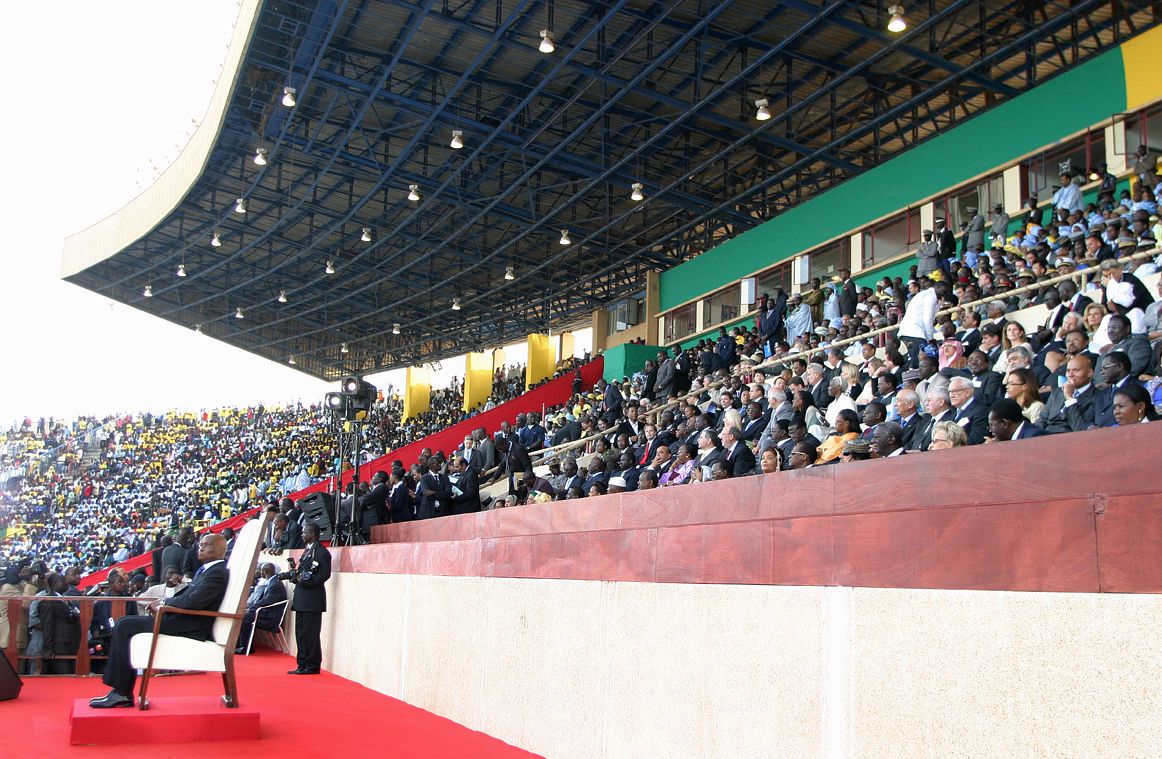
457 141
181 270
366 236
288 96
413 192
216 241
291 361
260 157
455 304
282 296
238 314
508 273
198 328
896 23
343 348
330 268
547 45
1093 175
763 113
395 328
565 237
637 191
240 205
148 292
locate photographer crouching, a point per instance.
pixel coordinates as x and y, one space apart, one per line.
310 600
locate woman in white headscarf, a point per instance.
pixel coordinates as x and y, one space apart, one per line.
831 306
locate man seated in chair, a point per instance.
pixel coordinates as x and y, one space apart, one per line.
267 590
204 593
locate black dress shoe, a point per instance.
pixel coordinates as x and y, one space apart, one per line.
301 671
114 700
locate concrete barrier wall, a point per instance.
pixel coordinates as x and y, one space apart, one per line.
572 668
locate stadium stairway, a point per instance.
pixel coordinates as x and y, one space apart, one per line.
552 393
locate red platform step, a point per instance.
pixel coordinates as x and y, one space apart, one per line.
168 720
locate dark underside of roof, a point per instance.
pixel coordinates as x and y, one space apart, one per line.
657 93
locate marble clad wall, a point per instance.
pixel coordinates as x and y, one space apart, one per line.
590 669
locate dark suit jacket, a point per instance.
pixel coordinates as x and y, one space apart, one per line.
970 341
60 626
568 433
432 488
402 504
821 396
714 454
1057 417
753 429
990 387
172 555
1103 404
373 507
204 593
848 297
310 594
923 435
268 619
974 420
741 460
469 500
1029 430
912 428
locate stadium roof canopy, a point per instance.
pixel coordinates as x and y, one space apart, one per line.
657 93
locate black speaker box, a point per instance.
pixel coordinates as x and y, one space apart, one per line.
10 683
319 510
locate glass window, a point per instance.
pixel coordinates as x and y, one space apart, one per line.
772 279
891 238
1043 171
826 261
626 313
681 322
953 207
722 306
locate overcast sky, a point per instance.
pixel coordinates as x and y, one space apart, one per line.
99 98
97 95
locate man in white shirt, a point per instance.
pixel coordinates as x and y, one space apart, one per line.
916 326
174 581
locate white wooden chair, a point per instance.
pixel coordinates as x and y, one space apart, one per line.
274 637
151 652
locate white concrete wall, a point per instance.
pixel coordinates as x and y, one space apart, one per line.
608 669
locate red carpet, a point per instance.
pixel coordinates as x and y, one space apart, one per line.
312 715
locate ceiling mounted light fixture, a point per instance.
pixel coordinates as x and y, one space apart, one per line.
215 240
288 96
238 314
896 23
330 268
457 141
565 237
181 270
366 236
455 304
395 328
547 46
291 361
148 293
343 348
198 328
282 296
260 157
413 192
240 205
509 274
637 191
763 113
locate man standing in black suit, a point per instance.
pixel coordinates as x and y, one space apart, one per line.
467 483
435 491
310 601
205 593
373 506
848 297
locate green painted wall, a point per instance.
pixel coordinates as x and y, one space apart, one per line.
624 360
1065 104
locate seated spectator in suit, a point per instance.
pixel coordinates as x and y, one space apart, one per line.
846 428
648 480
970 413
1133 405
1007 422
1022 386
268 589
803 455
709 448
1115 374
627 470
908 415
887 440
531 485
1070 406
947 434
736 453
287 535
174 581
1135 346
